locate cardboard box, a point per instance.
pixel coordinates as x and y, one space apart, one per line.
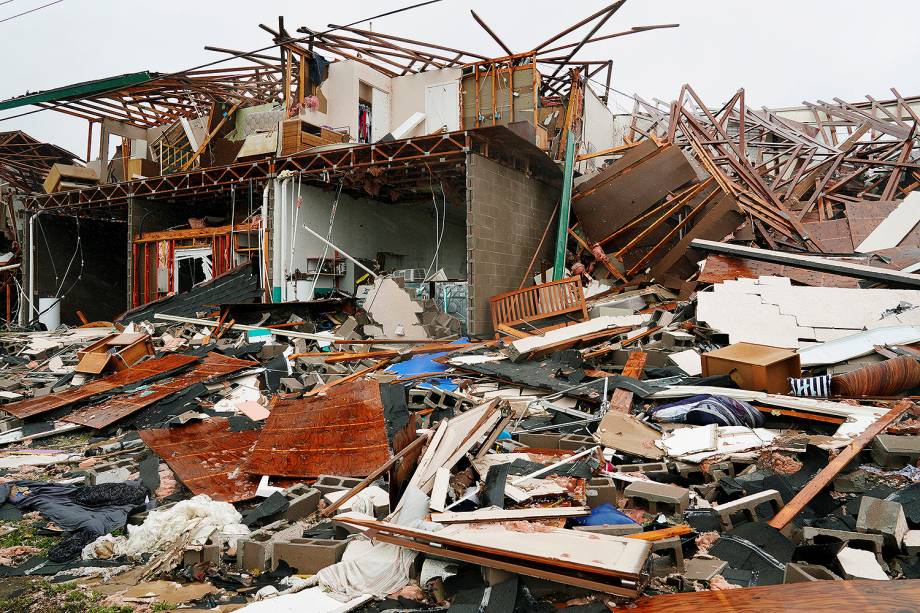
754 367
64 173
142 168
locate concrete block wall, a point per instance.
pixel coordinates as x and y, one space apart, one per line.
507 211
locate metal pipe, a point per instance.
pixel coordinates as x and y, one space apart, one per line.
263 270
340 250
565 206
546 469
31 266
212 323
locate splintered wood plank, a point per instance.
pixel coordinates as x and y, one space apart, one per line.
597 583
827 474
495 514
663 533
611 556
621 400
814 596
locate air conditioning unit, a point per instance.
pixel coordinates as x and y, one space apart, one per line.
411 275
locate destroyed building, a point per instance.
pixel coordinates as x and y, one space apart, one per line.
396 139
362 322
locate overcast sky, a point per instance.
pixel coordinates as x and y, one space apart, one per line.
781 51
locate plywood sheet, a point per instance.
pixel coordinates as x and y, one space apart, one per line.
715 223
453 438
833 234
612 554
621 194
864 217
572 549
892 230
625 433
718 268
494 514
340 433
812 596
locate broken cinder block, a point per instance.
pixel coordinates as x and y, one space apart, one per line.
302 500
747 505
601 490
875 541
208 554
255 551
291 385
645 467
539 440
308 556
575 442
333 483
801 573
672 550
883 517
895 451
660 497
113 472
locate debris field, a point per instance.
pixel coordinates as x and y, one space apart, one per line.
382 325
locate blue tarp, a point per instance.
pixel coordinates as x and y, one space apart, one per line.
603 515
423 364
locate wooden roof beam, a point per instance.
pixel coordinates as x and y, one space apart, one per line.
489 31
340 53
405 40
634 30
612 8
600 23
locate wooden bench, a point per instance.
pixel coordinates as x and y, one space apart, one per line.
538 302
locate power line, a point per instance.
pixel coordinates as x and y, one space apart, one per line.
38 8
224 59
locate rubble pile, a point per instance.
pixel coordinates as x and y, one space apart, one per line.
641 451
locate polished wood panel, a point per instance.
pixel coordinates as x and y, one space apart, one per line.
814 597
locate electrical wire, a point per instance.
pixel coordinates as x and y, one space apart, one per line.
48 249
295 205
232 222
38 8
322 260
439 234
437 230
233 56
78 248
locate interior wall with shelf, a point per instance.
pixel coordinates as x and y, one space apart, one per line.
404 232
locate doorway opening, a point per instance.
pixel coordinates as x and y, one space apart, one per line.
192 267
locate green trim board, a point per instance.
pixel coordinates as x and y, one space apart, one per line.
79 90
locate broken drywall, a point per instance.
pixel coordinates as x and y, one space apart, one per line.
771 311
